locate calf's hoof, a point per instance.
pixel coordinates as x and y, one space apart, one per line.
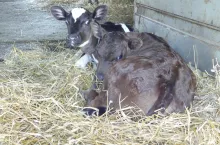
98 112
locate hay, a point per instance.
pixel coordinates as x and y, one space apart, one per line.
40 104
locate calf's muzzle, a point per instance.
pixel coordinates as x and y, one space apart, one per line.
73 40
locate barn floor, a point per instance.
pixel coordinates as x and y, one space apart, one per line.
22 22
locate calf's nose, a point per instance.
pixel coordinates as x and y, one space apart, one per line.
74 37
74 40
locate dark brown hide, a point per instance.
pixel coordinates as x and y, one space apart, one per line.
150 74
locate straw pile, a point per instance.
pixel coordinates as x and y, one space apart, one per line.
40 104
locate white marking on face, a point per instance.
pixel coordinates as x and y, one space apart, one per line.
125 28
77 12
82 62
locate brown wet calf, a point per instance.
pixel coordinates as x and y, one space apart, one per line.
140 69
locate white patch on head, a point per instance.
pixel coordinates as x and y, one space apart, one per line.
77 12
82 62
125 28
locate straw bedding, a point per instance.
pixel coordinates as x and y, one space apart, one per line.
40 104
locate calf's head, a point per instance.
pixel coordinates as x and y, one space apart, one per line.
113 47
78 23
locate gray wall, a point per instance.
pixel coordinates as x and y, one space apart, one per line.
192 27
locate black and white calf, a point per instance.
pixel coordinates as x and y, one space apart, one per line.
79 27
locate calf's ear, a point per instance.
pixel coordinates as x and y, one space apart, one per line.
96 29
135 43
58 12
100 12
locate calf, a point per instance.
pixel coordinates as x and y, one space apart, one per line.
140 69
78 22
